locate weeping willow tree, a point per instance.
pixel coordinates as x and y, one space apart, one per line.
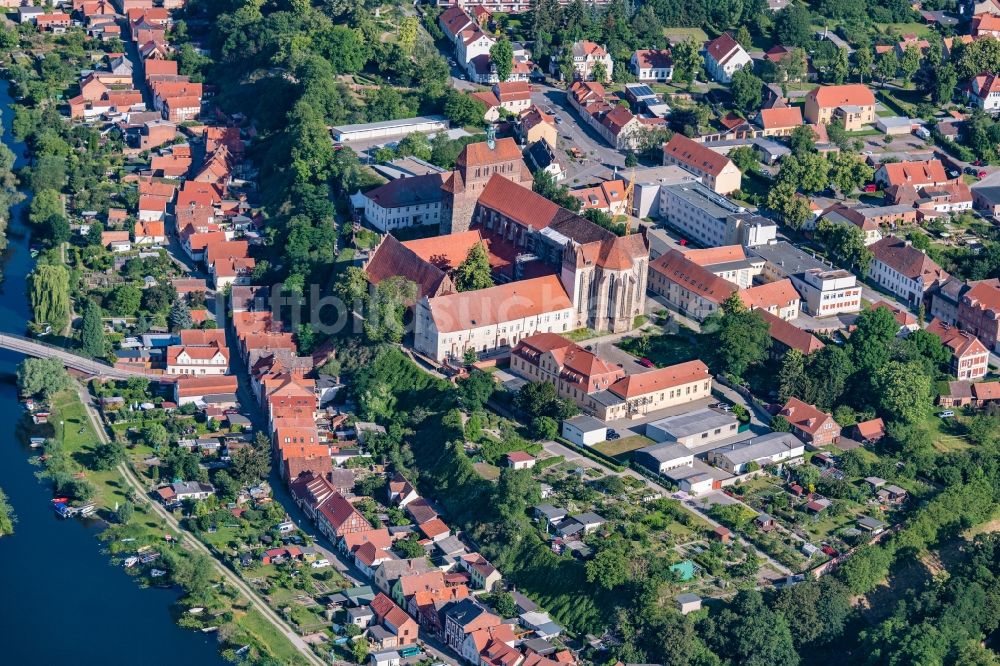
49 292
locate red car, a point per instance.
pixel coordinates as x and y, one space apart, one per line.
646 362
829 550
871 187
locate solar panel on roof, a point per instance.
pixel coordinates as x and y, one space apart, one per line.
642 91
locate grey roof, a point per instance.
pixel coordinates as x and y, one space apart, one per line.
692 423
666 451
875 481
895 490
450 545
894 121
688 598
551 512
606 398
759 447
384 124
588 518
705 199
870 523
360 611
788 257
586 423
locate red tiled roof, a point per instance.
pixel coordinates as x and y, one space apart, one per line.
518 202
960 342
776 118
506 302
643 383
804 416
928 172
772 294
654 58
852 94
720 47
674 266
791 335
695 154
907 260
479 154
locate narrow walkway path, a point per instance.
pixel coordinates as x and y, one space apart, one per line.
193 543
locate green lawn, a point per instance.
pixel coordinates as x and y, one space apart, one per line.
580 334
621 446
662 350
683 34
487 471
267 638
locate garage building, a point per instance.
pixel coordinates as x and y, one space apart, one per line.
389 129
702 426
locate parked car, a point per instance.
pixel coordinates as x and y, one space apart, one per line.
646 362
558 120
320 564
871 187
946 414
613 434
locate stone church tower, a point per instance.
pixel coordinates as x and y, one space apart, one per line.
473 168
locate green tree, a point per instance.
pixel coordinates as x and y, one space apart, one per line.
502 57
792 26
410 547
829 370
743 38
792 208
752 634
846 244
609 568
179 317
872 340
474 272
504 604
841 67
802 140
50 295
887 67
780 424
848 172
746 90
544 428
599 72
792 378
863 61
386 307
945 82
475 390
250 465
108 455
745 159
42 376
687 61
92 339
126 299
742 339
903 390
407 33
154 435
909 63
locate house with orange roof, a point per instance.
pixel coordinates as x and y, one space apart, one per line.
779 298
810 424
586 55
295 460
575 372
718 172
691 289
337 517
969 357
194 360
150 233
56 23
170 165
152 208
192 389
403 628
778 121
491 320
730 262
492 643
869 431
641 393
608 197
979 311
916 174
853 104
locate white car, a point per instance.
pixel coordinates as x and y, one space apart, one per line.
320 564
946 414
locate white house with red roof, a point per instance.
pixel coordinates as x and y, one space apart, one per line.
652 64
969 357
724 57
586 54
984 91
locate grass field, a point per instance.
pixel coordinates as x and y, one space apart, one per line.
662 350
621 446
683 34
487 471
268 638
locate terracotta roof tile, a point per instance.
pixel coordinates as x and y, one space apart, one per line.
643 383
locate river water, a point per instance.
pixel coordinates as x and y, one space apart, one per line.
61 600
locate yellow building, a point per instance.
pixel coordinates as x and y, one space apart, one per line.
853 104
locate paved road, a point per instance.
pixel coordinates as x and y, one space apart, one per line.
191 542
28 347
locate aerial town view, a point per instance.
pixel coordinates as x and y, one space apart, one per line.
500 333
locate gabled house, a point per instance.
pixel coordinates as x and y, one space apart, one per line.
724 57
810 424
969 357
652 65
